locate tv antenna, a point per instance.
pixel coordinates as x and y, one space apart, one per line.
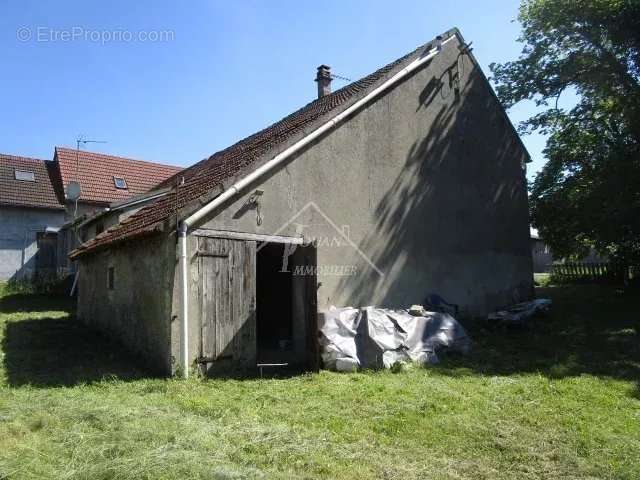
340 77
73 188
81 140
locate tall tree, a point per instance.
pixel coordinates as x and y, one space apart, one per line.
588 193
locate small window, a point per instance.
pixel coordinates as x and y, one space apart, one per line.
120 183
110 278
25 176
99 228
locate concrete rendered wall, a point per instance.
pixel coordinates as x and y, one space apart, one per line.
427 184
138 310
18 247
83 208
72 238
69 238
107 220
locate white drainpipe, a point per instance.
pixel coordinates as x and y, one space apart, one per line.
184 301
266 168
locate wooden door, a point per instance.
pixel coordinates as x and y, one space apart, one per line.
227 300
46 254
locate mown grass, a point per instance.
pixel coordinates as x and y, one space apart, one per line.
559 400
542 279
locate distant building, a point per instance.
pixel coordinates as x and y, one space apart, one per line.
104 180
39 225
540 253
543 257
31 215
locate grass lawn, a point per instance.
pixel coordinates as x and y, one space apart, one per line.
561 400
542 279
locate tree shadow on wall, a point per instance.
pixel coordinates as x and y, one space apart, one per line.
461 193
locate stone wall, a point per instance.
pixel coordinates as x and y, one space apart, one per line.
137 309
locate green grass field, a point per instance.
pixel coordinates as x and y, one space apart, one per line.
560 400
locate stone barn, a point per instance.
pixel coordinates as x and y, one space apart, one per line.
406 183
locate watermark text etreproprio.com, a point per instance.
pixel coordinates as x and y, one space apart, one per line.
45 34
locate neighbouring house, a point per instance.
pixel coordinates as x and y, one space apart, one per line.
30 217
40 225
108 183
406 183
540 253
543 258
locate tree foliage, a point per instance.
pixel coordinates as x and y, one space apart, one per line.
588 193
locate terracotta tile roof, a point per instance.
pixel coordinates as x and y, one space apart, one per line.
95 172
202 177
39 193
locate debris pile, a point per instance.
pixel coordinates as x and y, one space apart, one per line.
521 313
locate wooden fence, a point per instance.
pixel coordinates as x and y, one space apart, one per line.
586 272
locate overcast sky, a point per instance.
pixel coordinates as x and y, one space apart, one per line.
174 82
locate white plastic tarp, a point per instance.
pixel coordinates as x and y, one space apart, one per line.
373 337
341 329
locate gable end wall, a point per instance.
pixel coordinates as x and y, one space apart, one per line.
429 184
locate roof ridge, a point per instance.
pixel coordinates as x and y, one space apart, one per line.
20 157
97 173
128 159
308 106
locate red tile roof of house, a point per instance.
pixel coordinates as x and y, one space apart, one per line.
205 175
96 171
39 193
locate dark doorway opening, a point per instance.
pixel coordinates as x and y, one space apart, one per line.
274 300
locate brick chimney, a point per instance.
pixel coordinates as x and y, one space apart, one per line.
323 77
